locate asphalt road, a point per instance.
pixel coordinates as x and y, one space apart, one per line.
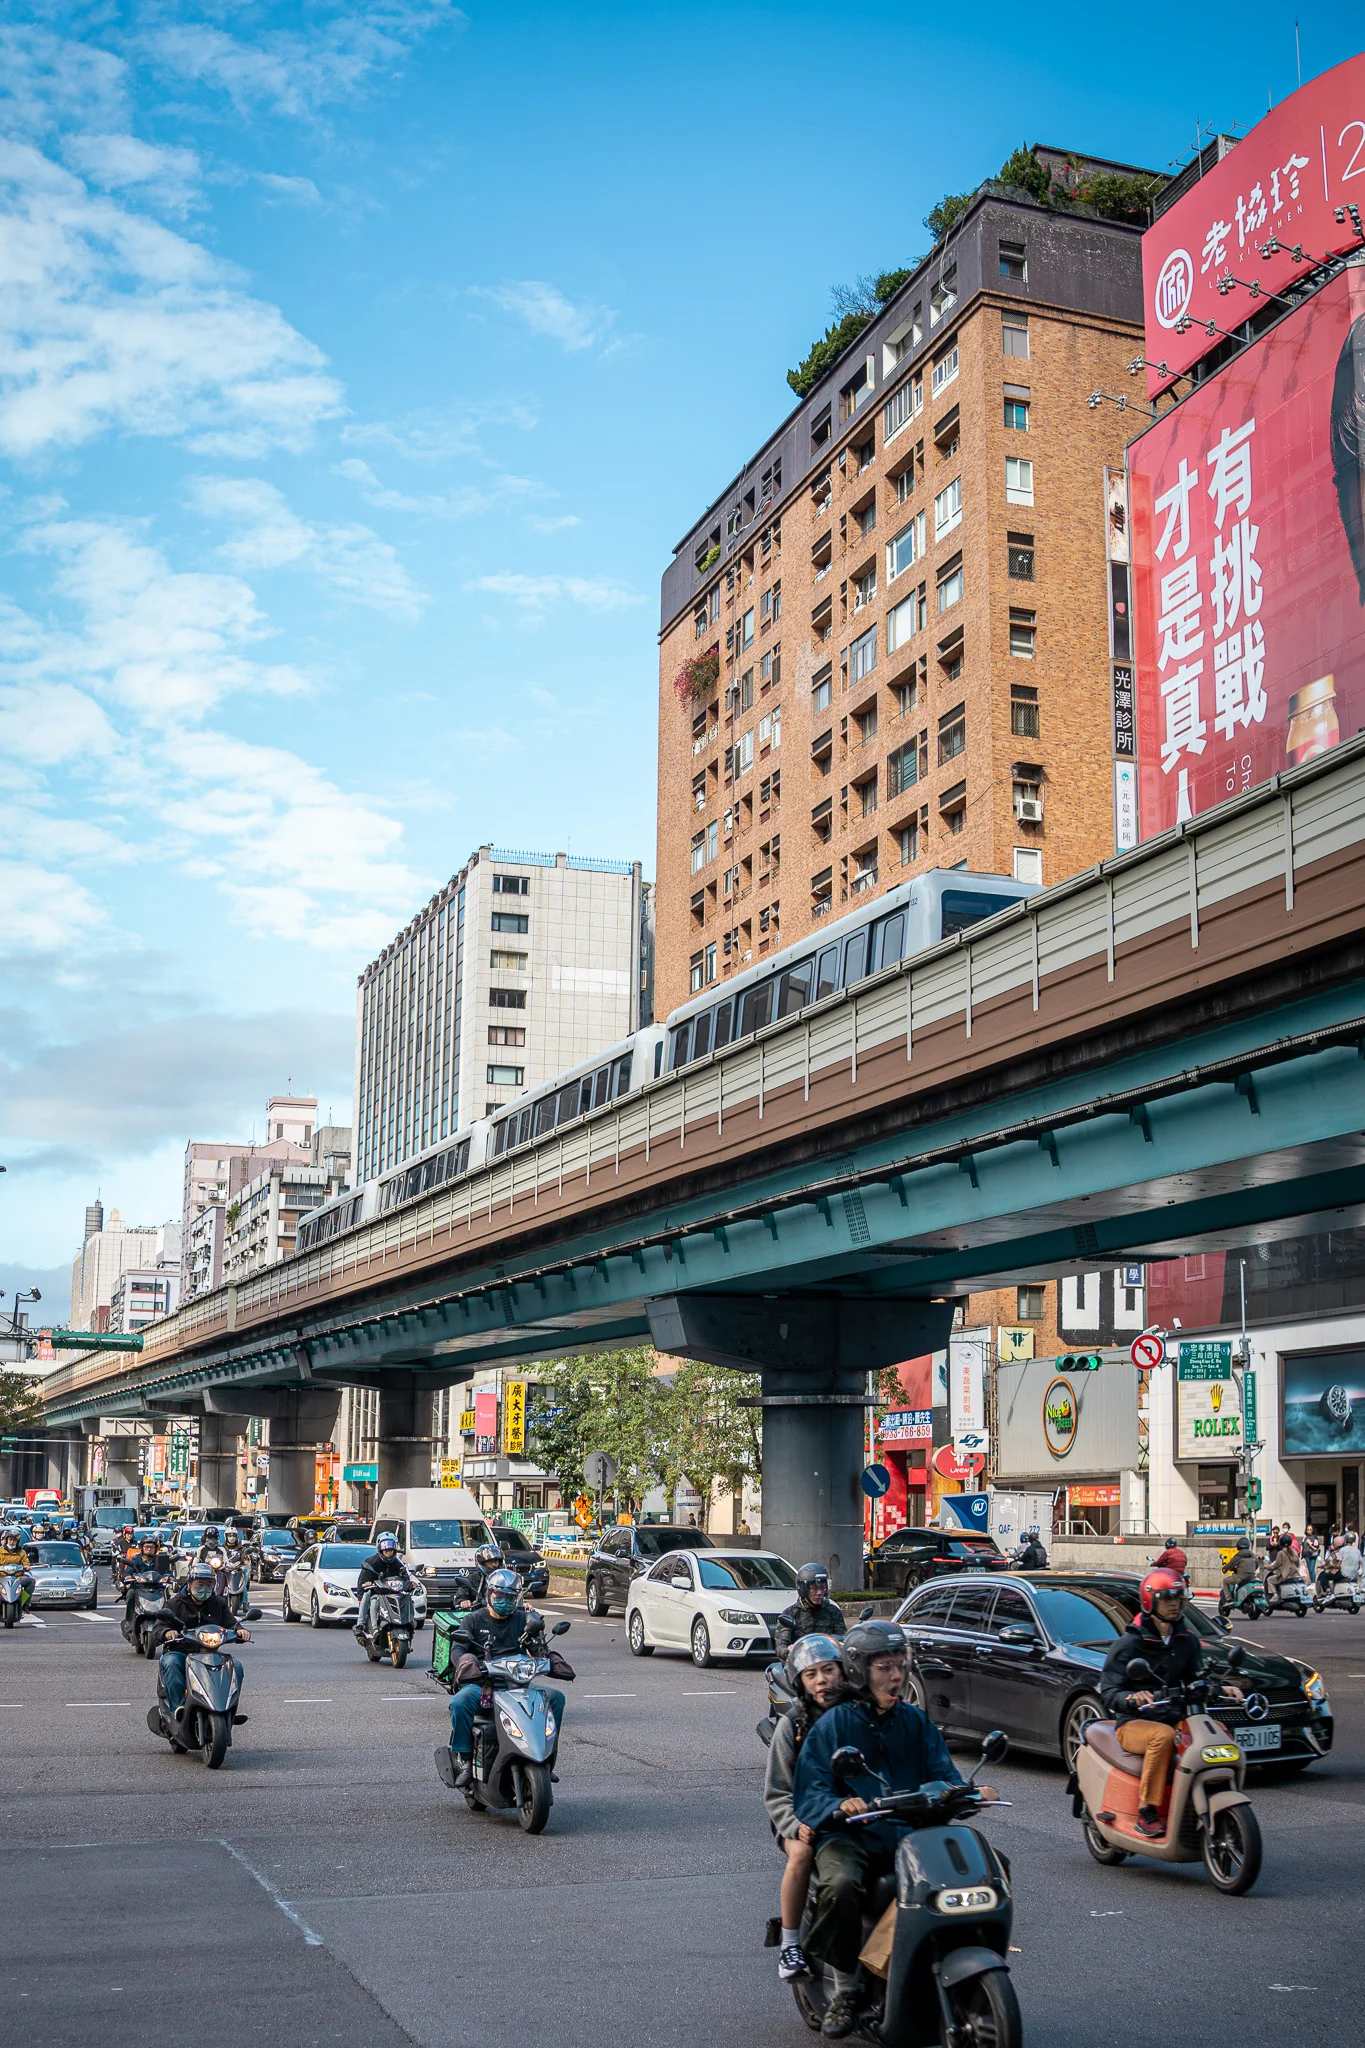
325 1888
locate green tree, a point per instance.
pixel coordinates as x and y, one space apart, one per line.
945 216
854 305
21 1404
610 1401
714 1440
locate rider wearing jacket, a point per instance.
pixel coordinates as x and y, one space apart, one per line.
1032 1556
816 1675
1159 1633
15 1558
148 1559
812 1613
384 1568
1241 1572
196 1606
493 1630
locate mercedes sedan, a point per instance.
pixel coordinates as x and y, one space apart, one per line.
1024 1652
62 1578
321 1586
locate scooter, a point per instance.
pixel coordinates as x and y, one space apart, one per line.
389 1624
515 1736
213 1687
1250 1601
234 1583
947 1980
1206 1815
1343 1596
14 1598
1288 1596
146 1604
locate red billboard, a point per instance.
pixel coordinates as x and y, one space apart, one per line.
1286 181
1248 518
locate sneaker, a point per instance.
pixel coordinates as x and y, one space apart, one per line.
792 1963
1149 1823
841 2015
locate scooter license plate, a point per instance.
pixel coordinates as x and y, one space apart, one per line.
1259 1738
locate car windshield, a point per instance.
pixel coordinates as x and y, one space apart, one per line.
110 1518
190 1539
59 1553
658 1542
448 1535
512 1539
747 1574
341 1556
276 1539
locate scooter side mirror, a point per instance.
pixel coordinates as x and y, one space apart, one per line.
846 1763
561 1628
1140 1674
254 1613
1237 1657
995 1746
867 1614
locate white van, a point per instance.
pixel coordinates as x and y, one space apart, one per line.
439 1528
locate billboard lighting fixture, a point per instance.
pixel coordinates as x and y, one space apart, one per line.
1098 398
1141 363
1256 288
1210 327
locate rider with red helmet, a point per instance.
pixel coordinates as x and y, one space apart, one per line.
1160 1633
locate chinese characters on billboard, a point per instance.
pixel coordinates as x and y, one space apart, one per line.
1288 185
1248 515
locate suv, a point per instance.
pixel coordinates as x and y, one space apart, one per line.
620 1555
910 1556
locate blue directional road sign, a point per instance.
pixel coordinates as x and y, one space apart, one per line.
876 1481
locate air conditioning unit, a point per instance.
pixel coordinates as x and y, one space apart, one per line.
1029 810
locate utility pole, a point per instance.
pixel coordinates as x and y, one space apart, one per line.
1250 1487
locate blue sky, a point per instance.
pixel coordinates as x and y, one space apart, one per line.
359 366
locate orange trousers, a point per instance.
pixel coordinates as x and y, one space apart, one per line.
1154 1742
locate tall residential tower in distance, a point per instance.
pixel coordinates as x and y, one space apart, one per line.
524 964
884 647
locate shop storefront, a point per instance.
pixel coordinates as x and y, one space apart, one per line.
904 1441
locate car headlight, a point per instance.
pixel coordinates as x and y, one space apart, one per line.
739 1617
1313 1687
337 1592
977 1898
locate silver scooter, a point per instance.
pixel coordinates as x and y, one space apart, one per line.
213 1686
515 1738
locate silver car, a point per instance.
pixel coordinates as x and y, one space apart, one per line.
62 1578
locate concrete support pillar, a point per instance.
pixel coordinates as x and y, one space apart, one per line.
812 1458
406 1433
220 1439
292 1485
122 1459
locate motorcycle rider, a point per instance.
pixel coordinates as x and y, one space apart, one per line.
492 1630
1031 1556
905 1750
149 1558
1172 1559
386 1568
816 1676
812 1613
1239 1574
197 1605
1160 1633
14 1558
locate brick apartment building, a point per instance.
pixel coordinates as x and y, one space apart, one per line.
905 590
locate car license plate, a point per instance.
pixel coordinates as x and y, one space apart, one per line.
1258 1738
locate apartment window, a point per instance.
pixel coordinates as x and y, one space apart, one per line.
953 808
507 999
1020 546
862 655
1014 262
707 551
746 630
516 962
866 516
698 852
904 549
944 296
741 693
699 791
744 752
952 734
821 427
820 688
510 921
864 589
907 692
699 624
1014 333
949 584
770 729
822 891
902 770
1023 633
905 619
699 907
905 482
822 818
1016 414
1031 1305
506 1034
770 668
1024 718
713 839
695 974
902 407
907 841
709 954
866 794
945 369
506 1077
857 391
1018 480
1028 792
715 606
948 508
866 722
511 885
770 483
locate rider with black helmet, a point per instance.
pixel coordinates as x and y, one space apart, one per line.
904 1750
1239 1573
196 1605
149 1560
816 1676
494 1630
813 1612
385 1565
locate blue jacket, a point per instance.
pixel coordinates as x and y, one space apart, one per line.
903 1745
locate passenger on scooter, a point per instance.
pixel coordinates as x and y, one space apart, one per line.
816 1676
195 1606
149 1557
1031 1556
1159 1633
386 1567
905 1750
812 1613
493 1630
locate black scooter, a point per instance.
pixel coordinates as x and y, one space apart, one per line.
213 1687
145 1605
390 1623
948 1981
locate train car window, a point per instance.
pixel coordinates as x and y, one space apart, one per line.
888 941
462 1158
413 1184
701 1035
585 1094
499 1144
545 1116
681 1047
962 908
855 957
755 1009
601 1080
622 1076
827 973
793 991
658 1059
305 1237
567 1103
724 1012
525 1126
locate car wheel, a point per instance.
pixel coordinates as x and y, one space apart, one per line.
597 1606
316 1616
914 1691
909 1585
635 1634
94 1599
286 1611
701 1645
1075 1721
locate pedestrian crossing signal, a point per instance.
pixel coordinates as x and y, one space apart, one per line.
1080 1361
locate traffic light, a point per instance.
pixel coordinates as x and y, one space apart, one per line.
1080 1361
1253 1496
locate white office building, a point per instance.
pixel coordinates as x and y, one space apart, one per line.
108 1252
524 964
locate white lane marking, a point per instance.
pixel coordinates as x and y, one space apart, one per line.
97 1703
305 1703
96 1617
608 1695
394 1699
710 1695
313 1940
1291 1987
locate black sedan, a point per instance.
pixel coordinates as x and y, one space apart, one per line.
620 1555
521 1554
1024 1653
910 1556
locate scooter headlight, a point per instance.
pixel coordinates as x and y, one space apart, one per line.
550 1723
511 1730
1221 1753
211 1638
976 1898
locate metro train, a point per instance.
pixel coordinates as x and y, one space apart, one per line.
905 921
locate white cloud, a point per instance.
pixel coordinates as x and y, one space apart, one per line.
294 74
541 525
350 559
546 311
43 911
50 83
460 503
116 163
439 435
302 190
110 320
532 593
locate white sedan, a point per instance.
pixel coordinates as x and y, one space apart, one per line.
320 1586
713 1603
